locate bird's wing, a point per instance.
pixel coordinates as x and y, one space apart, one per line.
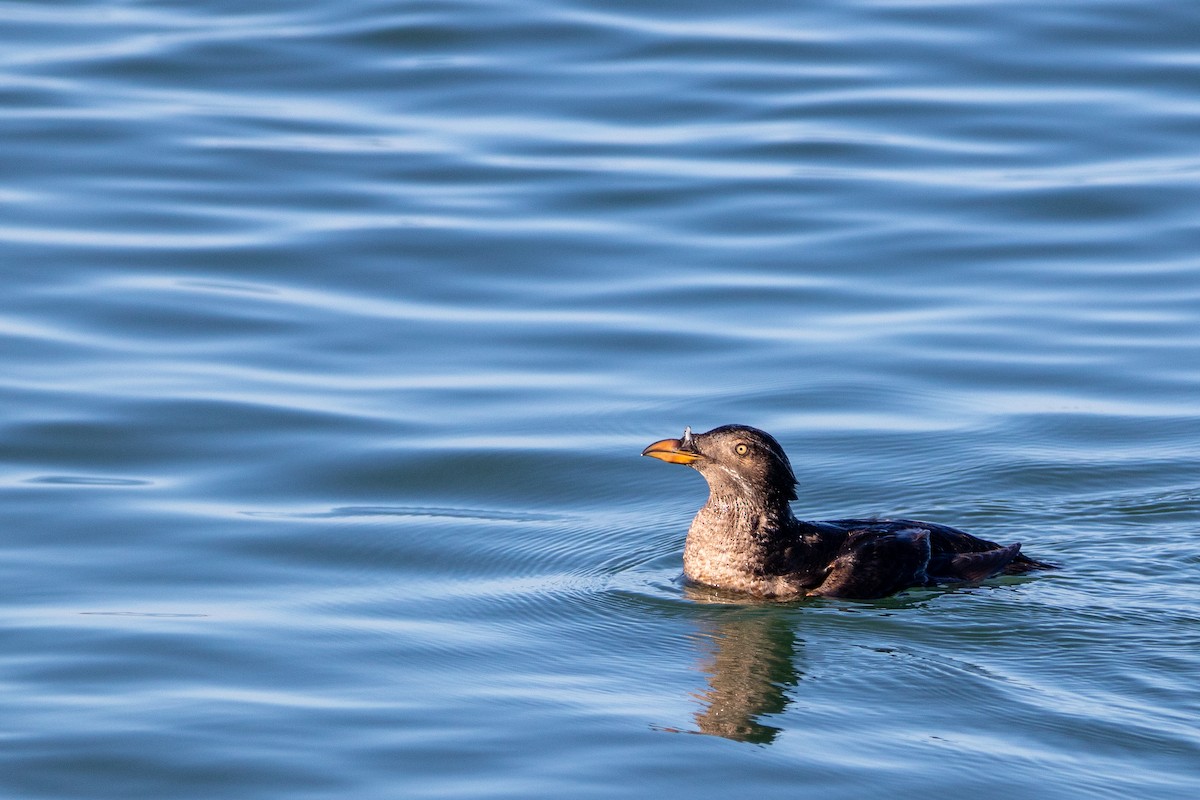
976 566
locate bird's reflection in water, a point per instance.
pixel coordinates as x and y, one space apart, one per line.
748 657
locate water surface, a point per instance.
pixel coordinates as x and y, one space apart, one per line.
331 334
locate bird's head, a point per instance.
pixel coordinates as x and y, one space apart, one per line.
735 460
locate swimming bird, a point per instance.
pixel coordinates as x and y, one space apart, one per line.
746 539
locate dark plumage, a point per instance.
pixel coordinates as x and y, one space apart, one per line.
745 537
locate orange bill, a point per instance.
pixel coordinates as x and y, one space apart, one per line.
670 450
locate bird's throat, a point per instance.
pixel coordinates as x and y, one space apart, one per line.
730 540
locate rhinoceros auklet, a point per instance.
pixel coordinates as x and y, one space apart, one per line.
746 539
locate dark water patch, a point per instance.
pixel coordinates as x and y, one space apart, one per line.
350 512
149 614
86 480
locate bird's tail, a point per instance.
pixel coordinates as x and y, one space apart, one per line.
1023 563
982 565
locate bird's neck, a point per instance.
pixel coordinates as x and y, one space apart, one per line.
748 519
732 539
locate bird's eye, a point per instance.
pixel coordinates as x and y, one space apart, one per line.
741 449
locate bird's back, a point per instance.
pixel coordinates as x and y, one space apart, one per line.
954 555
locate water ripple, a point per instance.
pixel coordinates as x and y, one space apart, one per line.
332 334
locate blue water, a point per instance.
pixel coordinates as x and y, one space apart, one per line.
331 334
